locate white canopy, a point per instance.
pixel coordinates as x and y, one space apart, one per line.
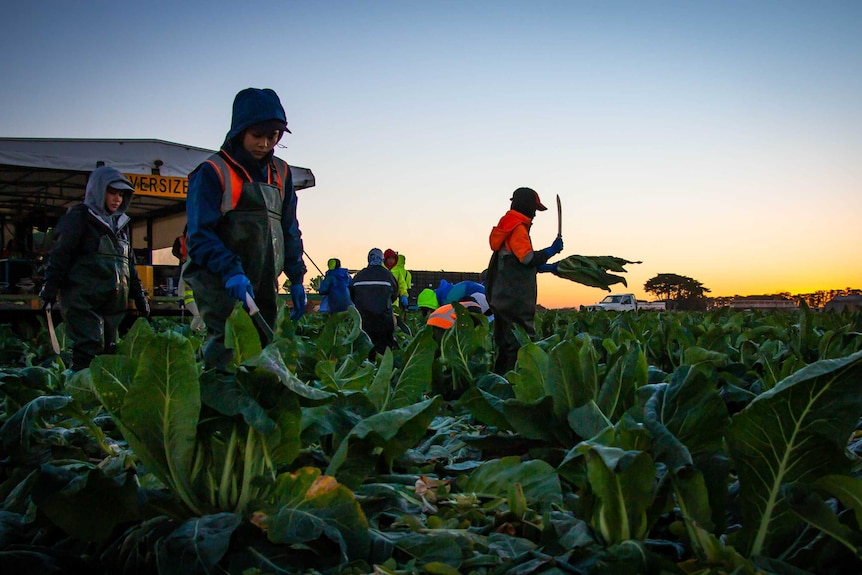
49 175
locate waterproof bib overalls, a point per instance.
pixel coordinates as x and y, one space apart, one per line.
250 227
95 295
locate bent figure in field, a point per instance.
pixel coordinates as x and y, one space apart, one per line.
91 268
243 232
511 282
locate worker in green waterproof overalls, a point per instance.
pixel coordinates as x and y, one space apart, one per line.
242 227
91 268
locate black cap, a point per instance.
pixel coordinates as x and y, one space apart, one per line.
527 198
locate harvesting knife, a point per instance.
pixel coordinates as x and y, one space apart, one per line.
559 217
54 343
258 320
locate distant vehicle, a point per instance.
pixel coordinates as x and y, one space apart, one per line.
626 302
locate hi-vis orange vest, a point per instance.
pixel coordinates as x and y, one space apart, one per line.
444 316
232 176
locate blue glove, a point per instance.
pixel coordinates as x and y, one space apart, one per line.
297 296
548 268
555 247
237 286
404 302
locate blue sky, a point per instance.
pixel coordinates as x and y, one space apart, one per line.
717 140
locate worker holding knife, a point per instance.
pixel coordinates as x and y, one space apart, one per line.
511 281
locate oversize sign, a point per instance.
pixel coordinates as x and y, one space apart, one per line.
160 186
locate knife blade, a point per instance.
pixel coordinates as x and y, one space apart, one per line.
559 217
258 320
54 343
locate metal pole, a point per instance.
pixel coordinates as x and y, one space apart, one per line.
312 261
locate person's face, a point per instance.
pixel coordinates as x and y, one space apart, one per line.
259 144
390 261
113 199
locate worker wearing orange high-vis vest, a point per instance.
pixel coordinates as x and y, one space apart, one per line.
242 227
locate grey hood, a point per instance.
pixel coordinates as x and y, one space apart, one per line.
100 179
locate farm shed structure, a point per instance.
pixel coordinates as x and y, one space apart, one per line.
765 302
844 303
41 178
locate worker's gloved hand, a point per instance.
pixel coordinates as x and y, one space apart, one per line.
142 305
404 302
548 268
237 287
297 296
555 247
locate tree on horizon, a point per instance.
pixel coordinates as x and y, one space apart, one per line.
683 292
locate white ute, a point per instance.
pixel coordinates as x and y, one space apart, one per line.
626 302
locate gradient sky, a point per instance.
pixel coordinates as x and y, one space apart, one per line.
716 140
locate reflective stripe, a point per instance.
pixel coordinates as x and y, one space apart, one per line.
445 315
372 283
232 177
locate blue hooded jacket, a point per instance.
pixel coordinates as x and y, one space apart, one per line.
334 288
203 205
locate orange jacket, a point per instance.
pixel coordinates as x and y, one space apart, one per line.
513 233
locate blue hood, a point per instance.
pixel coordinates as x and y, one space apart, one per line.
253 106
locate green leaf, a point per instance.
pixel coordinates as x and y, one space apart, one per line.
414 380
534 420
136 338
809 506
537 478
571 378
270 360
112 376
622 486
847 489
485 407
685 416
17 430
285 443
797 431
592 270
226 394
241 336
162 408
306 506
463 347
84 502
196 546
528 378
588 420
627 372
380 390
391 433
340 331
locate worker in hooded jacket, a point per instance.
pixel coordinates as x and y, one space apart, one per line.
91 268
242 226
373 289
511 281
335 288
397 264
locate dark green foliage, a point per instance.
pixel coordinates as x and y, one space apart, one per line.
703 442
